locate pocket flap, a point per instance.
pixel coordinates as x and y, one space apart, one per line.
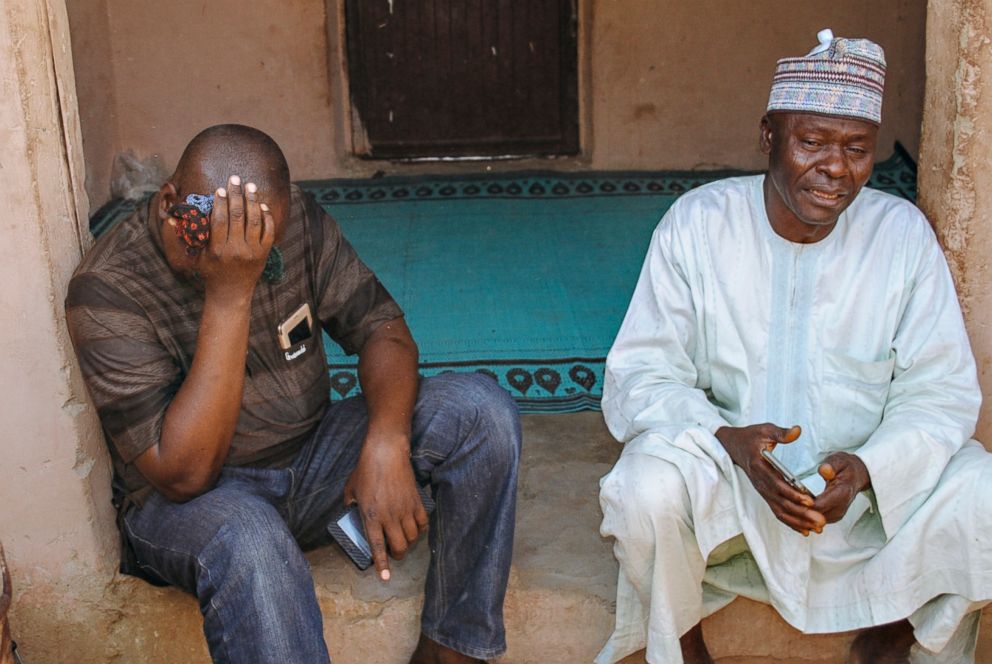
848 369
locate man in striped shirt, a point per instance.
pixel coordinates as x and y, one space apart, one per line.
206 366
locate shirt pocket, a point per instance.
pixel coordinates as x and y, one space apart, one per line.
275 373
852 400
304 366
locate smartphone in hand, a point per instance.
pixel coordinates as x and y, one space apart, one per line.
348 531
786 474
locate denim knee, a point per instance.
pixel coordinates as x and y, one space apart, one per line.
254 548
256 592
473 395
478 401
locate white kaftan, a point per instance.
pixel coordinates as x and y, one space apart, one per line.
857 338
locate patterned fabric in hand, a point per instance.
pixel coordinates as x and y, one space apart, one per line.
193 226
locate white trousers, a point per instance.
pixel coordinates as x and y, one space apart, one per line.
665 586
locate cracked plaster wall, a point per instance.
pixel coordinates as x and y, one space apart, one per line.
152 74
55 521
683 84
955 178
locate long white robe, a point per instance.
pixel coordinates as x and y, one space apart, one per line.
858 339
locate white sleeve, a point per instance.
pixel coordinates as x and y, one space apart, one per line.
651 381
933 400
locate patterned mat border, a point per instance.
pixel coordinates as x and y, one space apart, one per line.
561 385
896 175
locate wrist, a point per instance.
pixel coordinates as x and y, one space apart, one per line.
228 299
864 477
725 436
388 440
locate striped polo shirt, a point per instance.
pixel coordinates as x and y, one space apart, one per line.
134 323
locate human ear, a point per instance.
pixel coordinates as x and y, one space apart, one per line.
765 135
167 197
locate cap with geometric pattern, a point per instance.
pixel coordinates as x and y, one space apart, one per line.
843 77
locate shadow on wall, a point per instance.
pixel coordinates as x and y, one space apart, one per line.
134 178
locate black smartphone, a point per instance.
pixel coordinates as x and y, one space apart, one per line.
348 531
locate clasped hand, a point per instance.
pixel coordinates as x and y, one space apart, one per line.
845 474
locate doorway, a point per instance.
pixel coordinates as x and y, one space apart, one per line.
462 78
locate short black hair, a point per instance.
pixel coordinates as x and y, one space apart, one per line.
223 150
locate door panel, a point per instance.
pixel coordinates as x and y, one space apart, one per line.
436 78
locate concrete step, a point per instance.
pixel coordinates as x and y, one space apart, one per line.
560 601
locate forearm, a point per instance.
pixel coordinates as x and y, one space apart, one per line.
200 421
382 483
387 370
636 401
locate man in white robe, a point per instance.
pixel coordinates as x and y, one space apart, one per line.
800 312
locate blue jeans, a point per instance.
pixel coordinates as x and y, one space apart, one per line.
238 547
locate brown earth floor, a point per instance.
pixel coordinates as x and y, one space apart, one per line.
559 607
561 598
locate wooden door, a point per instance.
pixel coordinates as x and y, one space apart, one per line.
457 78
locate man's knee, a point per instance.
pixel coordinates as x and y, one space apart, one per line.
642 495
253 547
473 403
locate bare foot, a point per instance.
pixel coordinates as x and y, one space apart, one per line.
432 652
885 644
694 648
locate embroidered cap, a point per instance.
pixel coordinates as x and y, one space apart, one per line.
843 77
